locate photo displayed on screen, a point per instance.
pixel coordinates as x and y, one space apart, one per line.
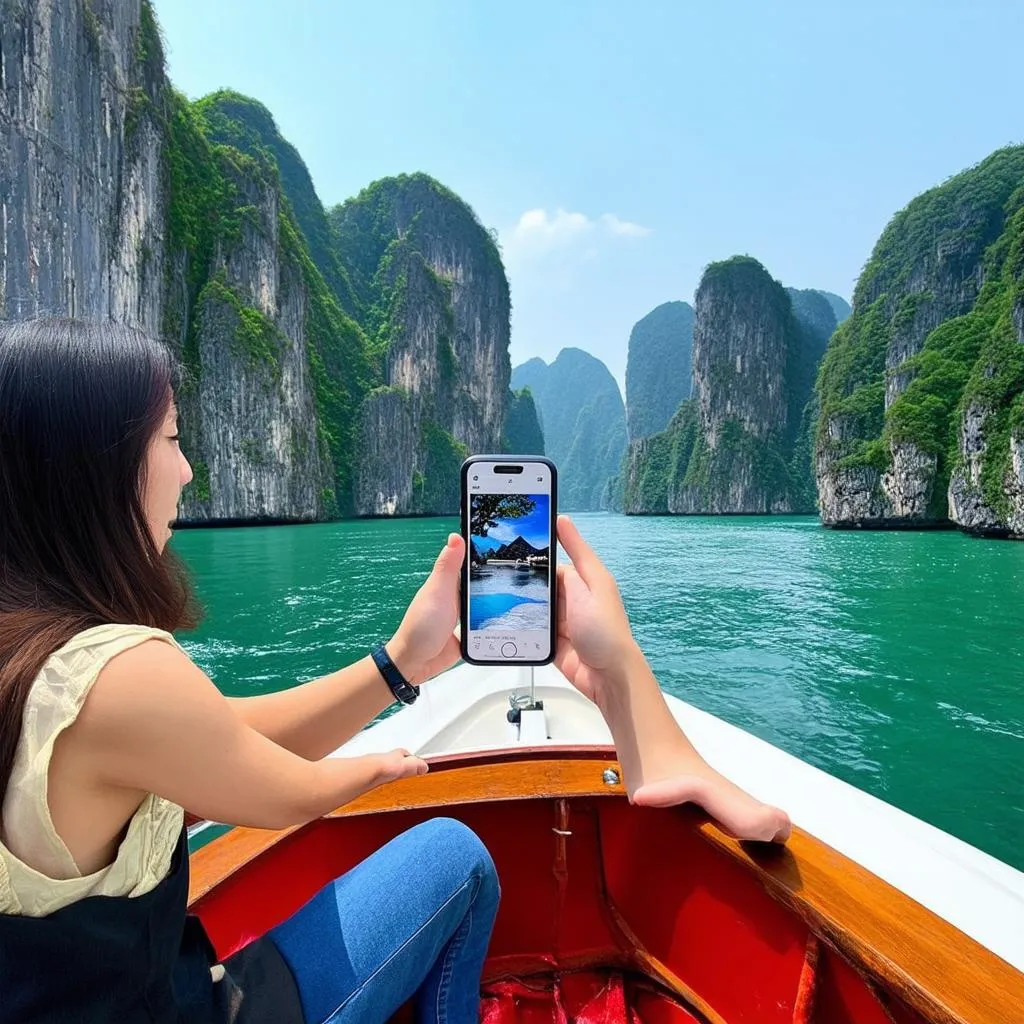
509 562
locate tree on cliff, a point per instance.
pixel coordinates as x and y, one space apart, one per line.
487 509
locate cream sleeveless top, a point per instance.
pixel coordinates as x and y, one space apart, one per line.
27 834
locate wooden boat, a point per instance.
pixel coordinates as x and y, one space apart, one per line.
612 913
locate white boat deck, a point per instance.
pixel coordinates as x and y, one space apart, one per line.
465 710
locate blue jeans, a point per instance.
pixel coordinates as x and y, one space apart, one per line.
413 919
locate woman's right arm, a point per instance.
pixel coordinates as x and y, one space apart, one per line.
154 721
598 655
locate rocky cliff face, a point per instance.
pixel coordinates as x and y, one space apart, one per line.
736 446
986 487
253 411
919 387
584 424
659 375
197 221
740 348
117 206
431 280
82 202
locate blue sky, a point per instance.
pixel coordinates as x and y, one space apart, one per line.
534 528
620 148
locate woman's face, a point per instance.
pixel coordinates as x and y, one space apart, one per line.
167 472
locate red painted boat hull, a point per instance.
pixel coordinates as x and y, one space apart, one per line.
611 912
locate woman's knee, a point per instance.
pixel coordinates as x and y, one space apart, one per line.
455 848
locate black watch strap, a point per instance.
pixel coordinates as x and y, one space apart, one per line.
403 690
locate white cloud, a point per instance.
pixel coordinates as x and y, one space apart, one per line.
502 532
623 227
538 232
538 229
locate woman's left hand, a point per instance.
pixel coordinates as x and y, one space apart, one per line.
427 641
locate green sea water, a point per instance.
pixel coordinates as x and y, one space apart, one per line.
894 661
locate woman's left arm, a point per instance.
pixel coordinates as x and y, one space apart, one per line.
315 718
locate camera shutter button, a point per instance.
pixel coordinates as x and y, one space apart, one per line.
509 650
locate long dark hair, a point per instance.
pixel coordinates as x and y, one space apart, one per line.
79 404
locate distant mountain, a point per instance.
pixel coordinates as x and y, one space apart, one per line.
658 371
840 307
816 319
813 309
523 434
518 548
584 423
533 375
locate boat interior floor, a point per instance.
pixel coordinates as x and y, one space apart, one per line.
591 996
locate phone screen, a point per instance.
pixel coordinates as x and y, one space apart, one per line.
510 565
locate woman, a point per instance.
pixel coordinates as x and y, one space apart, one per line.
108 729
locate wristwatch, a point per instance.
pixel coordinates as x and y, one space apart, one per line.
403 690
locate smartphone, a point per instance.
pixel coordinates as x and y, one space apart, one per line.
509 605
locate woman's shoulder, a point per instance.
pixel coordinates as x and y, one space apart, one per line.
113 634
68 674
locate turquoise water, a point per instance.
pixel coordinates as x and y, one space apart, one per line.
505 597
892 660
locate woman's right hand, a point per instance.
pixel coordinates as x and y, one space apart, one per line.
595 642
597 653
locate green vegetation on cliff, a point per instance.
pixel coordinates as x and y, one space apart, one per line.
229 118
658 371
665 460
433 303
204 208
976 358
254 335
208 190
224 141
385 225
935 302
523 434
343 372
437 487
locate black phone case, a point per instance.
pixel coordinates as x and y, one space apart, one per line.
463 577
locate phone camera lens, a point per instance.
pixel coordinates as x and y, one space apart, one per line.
476 478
